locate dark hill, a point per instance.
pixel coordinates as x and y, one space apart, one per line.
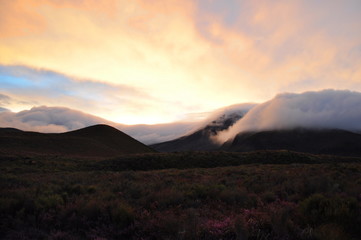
336 142
331 141
94 141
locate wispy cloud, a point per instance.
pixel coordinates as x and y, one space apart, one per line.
33 87
4 99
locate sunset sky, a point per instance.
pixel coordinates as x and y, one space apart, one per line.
150 61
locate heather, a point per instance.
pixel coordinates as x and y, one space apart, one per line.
280 195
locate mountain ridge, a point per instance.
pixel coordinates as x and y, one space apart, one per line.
317 141
95 141
308 140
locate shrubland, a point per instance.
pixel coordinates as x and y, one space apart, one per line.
260 195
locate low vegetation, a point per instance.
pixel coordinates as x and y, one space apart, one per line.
260 195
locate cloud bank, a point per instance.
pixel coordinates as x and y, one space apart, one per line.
61 119
323 109
48 119
327 109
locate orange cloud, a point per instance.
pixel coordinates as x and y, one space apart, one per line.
158 47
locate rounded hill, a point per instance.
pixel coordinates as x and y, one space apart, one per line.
93 141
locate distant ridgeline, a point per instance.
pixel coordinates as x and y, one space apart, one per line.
105 141
330 141
94 141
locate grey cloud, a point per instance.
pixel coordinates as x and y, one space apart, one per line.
4 99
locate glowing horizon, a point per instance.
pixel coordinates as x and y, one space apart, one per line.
159 61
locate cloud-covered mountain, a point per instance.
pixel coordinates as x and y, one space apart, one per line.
326 122
322 110
327 109
201 138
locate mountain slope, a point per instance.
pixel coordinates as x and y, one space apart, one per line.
94 141
200 140
332 141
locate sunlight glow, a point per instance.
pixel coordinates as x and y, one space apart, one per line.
179 57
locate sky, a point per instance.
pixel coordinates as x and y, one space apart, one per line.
153 61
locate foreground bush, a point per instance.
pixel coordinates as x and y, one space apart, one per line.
253 201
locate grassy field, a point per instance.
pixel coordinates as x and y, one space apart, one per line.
259 195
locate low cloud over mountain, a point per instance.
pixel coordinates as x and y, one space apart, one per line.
49 119
61 119
327 109
201 137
